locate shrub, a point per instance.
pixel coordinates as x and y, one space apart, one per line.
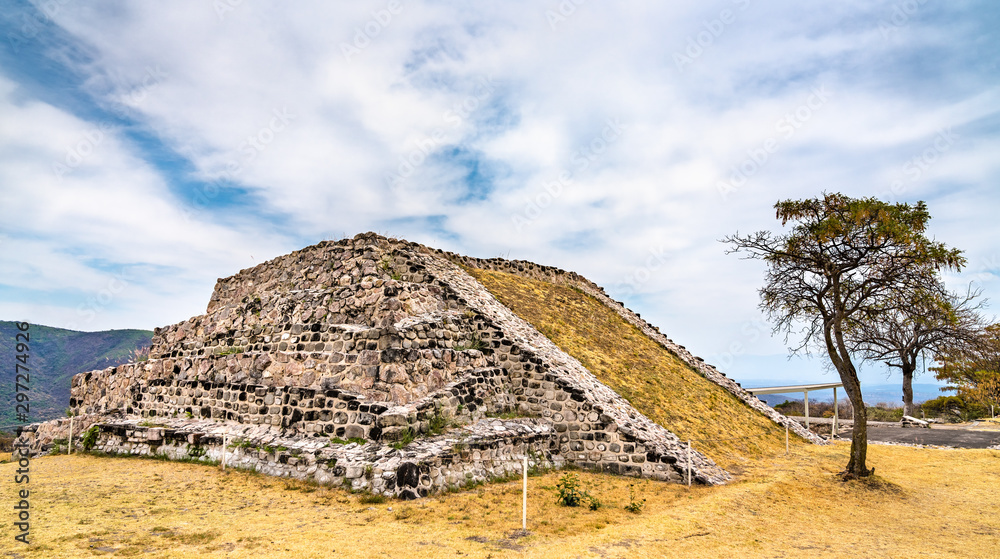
406 437
953 408
572 495
474 343
438 422
633 506
139 354
882 412
89 439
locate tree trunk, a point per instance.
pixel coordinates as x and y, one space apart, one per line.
908 407
834 337
856 466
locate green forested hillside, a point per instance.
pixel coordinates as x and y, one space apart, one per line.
56 355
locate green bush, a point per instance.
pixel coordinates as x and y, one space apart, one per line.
406 436
883 412
953 408
89 439
439 422
572 495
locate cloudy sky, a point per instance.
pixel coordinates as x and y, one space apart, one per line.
148 149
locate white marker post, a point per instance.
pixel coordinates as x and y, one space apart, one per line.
836 412
689 463
70 451
786 437
806 393
225 444
524 498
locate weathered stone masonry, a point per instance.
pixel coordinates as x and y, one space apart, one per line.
377 339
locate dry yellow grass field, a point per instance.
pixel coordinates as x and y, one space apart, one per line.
651 378
927 503
924 502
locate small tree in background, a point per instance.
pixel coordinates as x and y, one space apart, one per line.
844 261
933 320
973 370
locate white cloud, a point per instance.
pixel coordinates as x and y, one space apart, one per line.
82 210
415 85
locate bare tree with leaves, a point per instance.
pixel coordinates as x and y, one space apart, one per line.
933 320
844 260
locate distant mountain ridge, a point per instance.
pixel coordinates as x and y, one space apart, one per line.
56 354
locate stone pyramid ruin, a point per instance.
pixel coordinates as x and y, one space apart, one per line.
382 365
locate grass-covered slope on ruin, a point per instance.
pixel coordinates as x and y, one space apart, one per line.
654 380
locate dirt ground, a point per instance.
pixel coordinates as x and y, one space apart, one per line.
923 503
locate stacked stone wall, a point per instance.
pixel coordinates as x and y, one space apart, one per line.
391 364
480 452
378 340
585 433
561 277
542 361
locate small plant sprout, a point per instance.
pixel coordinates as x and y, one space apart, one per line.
633 506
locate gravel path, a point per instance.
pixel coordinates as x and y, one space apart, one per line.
966 435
